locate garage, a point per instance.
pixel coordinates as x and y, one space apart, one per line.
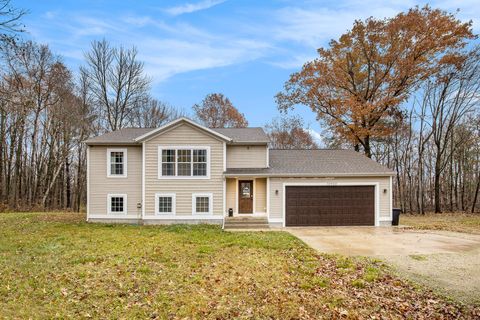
330 205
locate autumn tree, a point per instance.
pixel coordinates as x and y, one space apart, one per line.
289 133
356 86
217 111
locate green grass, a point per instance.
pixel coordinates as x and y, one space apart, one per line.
54 265
459 222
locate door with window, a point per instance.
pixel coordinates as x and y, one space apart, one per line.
245 196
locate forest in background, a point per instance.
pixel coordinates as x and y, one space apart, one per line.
429 133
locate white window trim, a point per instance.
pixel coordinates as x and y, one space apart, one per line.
210 203
176 177
174 206
125 163
109 204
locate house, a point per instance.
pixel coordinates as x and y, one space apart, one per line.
184 172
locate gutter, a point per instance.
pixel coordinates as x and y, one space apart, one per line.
310 175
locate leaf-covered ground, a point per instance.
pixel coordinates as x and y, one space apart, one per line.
57 266
457 221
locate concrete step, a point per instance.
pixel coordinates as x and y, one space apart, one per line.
247 226
246 219
246 223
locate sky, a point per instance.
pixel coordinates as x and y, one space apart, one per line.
244 49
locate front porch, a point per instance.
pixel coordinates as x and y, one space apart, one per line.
246 196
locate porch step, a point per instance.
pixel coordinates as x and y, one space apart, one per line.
232 223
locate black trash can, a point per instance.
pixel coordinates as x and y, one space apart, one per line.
230 212
396 216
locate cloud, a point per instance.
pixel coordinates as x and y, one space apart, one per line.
283 36
317 137
192 7
314 27
167 57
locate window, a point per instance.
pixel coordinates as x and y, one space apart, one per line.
184 162
200 162
117 163
165 203
168 162
117 203
202 203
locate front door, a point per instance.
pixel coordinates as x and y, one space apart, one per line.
245 196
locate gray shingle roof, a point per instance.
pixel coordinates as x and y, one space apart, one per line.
127 135
122 136
244 135
322 162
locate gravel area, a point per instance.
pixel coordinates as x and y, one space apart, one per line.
448 262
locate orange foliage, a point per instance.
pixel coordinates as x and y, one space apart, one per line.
357 85
216 111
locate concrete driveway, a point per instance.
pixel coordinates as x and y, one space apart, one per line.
447 261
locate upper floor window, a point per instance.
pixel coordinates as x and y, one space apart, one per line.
116 162
184 162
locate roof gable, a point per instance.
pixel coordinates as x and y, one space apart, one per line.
149 135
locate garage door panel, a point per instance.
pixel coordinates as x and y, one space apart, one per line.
330 205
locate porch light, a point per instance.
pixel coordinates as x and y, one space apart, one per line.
276 192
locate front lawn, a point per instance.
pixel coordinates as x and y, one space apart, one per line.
459 222
57 266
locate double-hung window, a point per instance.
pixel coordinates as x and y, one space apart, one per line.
117 203
199 162
202 203
165 203
117 163
168 162
184 162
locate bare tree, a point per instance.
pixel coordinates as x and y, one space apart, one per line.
450 96
152 113
117 82
289 133
10 21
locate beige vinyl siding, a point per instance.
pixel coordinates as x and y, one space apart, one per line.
183 135
231 195
276 200
101 185
260 194
246 156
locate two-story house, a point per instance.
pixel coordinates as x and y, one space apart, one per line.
184 172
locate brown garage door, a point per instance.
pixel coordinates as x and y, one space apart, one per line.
330 206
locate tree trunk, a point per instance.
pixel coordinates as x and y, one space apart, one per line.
436 183
475 196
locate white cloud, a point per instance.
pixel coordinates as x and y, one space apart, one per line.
317 137
192 7
165 58
286 37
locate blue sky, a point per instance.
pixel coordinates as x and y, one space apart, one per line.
244 49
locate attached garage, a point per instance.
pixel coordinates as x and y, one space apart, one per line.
330 205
